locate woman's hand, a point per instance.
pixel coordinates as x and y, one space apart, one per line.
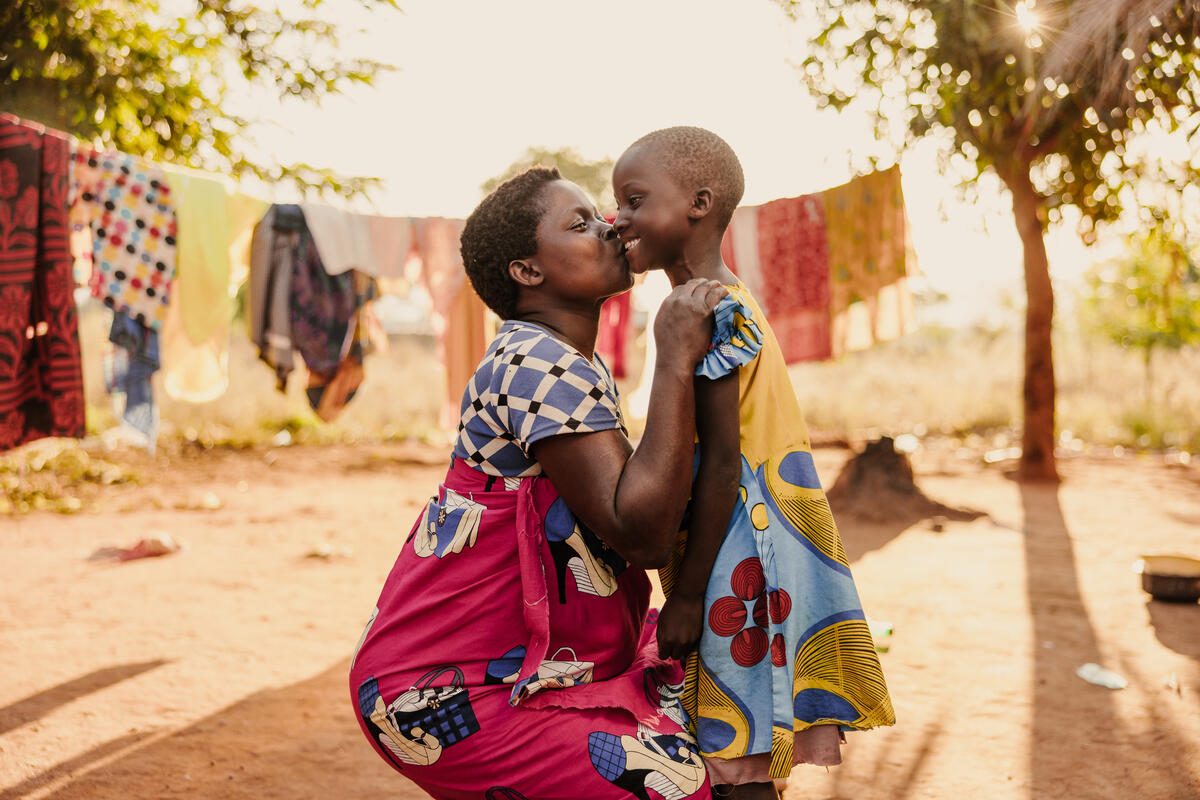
634 501
683 327
679 626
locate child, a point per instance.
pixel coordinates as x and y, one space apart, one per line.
761 603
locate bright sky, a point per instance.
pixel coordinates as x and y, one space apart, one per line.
478 82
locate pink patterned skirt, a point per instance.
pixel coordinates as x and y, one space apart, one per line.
510 656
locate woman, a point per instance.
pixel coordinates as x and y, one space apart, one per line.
509 654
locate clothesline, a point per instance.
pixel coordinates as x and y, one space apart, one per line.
164 247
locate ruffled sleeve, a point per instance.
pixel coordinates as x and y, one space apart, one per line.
736 340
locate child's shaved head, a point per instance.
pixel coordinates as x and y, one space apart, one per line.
695 157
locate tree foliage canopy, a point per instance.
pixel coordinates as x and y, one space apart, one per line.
1061 86
1149 298
594 176
149 77
1051 95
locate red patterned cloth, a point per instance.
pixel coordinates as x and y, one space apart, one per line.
794 255
616 324
41 381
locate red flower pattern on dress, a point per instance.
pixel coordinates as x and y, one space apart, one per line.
728 616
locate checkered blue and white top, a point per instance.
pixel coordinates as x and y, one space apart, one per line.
530 385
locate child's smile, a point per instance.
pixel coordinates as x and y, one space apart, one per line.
652 212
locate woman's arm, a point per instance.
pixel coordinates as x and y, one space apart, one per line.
634 499
714 494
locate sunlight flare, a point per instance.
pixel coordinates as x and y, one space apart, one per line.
1027 18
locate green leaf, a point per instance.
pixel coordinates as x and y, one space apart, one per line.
120 74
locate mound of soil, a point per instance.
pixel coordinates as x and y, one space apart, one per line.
877 485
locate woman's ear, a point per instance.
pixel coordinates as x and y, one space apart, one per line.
702 203
525 272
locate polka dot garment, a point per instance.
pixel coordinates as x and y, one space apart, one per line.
133 224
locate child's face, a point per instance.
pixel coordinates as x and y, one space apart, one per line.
652 211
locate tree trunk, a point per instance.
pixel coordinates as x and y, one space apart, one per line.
1149 365
1037 441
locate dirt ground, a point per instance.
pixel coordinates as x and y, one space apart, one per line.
218 672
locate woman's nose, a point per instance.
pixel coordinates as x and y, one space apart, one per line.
608 232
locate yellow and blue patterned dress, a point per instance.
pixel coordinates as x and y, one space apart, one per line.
785 644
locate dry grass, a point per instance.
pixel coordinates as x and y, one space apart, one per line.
936 381
960 383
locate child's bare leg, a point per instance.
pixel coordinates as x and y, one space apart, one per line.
747 791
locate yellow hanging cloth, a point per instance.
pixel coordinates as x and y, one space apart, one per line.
215 225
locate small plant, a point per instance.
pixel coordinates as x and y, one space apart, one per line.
55 477
1148 301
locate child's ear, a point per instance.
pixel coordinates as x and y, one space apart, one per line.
702 203
525 272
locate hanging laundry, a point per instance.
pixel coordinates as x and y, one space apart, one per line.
830 268
133 363
374 245
272 252
436 241
215 226
739 248
322 307
329 395
616 322
80 215
192 373
41 381
794 258
212 220
391 240
869 259
459 318
616 325
130 211
467 333
343 238
296 305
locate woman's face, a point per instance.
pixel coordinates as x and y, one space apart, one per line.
578 251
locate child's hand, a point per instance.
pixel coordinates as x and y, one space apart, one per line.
679 626
684 325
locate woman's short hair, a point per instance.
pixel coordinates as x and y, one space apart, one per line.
501 229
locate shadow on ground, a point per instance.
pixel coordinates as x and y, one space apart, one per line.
299 742
39 705
1063 704
1177 626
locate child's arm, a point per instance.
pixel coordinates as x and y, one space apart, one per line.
713 496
